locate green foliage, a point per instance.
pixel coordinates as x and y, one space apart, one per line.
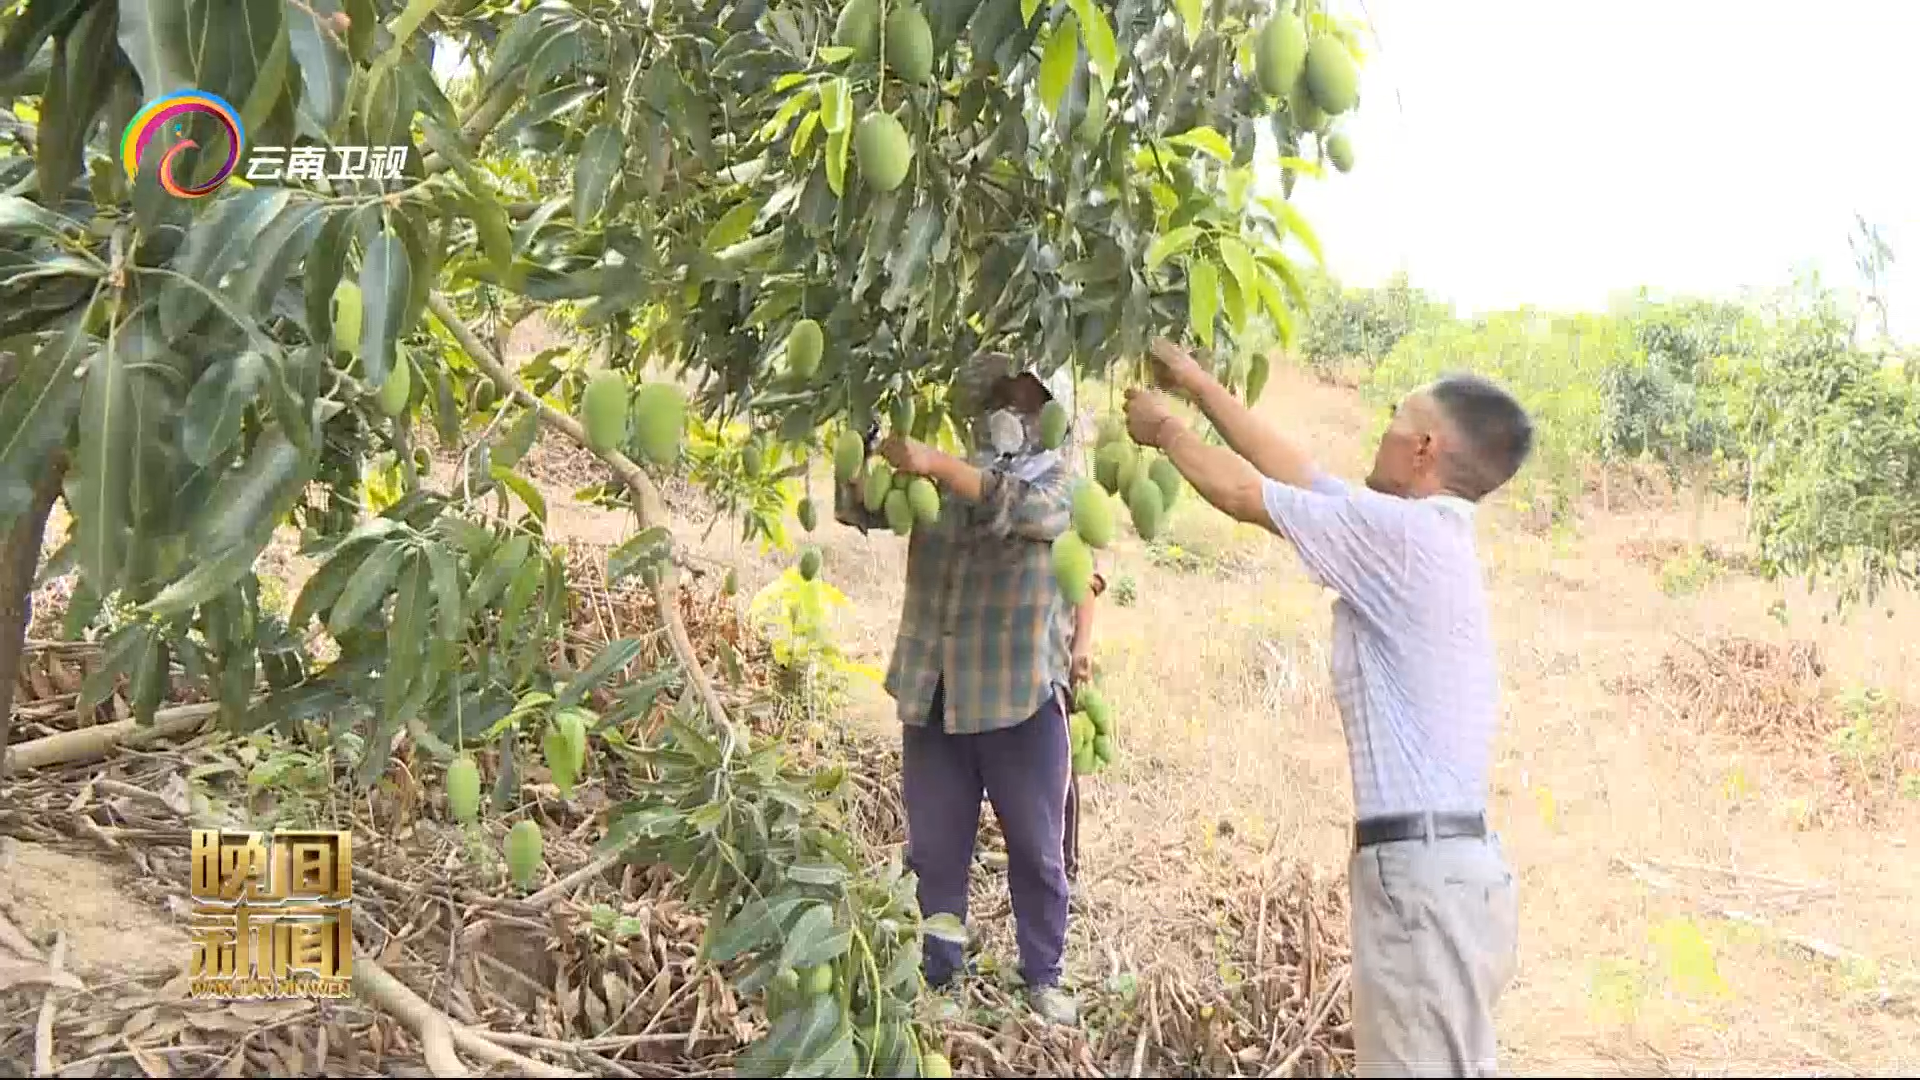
1362 325
1554 364
1664 403
761 846
1689 572
796 615
1835 438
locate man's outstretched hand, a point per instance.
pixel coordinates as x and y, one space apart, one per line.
1174 367
1149 416
909 456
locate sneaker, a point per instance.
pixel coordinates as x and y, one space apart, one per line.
1054 1005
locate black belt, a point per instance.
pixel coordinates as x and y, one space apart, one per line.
1394 827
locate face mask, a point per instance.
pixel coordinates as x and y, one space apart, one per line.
1006 433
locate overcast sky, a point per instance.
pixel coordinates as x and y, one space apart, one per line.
1553 152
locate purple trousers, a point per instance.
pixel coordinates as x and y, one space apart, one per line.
1024 771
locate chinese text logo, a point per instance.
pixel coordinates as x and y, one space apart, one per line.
171 112
272 915
310 163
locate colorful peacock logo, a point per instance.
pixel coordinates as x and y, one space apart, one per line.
170 113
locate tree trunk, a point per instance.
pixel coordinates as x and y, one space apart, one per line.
1746 526
19 560
1697 483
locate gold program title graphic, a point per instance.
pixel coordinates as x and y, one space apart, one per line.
272 915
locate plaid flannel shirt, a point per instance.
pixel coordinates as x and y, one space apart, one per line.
981 609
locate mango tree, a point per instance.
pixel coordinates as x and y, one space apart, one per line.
1833 435
786 220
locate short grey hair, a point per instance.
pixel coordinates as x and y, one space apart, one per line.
1495 428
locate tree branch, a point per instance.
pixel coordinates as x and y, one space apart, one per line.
647 505
485 117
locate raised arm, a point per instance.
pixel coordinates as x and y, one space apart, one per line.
1270 452
1354 543
1218 475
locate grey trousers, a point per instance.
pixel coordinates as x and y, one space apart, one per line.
1435 942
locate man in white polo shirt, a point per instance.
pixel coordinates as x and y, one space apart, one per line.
1434 914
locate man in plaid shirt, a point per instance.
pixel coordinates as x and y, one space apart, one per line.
987 647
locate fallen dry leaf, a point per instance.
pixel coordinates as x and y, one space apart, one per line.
17 972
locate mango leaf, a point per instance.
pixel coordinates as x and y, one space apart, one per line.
838 1057
324 67
84 61
515 49
406 636
519 599
1056 63
837 161
611 658
248 500
514 444
788 109
104 466
1171 243
501 566
814 939
1289 278
803 135
1190 18
252 66
946 927
281 244
1296 223
1236 301
325 264
148 684
385 284
215 246
732 227
1299 164
215 406
557 56
35 411
31 28
649 546
209 578
323 588
817 872
1270 298
836 105
794 1037
120 655
758 923
155 35
449 610
1240 264
1103 53
370 583
18 213
1203 298
1206 140
536 503
601 153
